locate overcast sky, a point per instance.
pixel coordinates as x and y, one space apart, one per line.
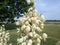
50 8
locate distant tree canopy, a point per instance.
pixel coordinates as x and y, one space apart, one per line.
12 8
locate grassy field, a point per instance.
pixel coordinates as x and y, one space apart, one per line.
52 29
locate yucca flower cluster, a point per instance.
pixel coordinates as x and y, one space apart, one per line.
4 36
30 1
30 30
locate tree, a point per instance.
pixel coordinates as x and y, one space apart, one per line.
13 8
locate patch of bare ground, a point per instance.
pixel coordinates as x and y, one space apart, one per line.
53 23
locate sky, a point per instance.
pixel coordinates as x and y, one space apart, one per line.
49 8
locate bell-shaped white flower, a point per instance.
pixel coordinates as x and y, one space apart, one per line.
35 14
42 25
18 30
20 40
1 40
4 44
29 42
33 27
21 21
3 32
6 36
5 40
44 36
38 29
3 25
31 34
23 43
28 1
35 10
23 27
38 41
10 44
17 23
27 29
37 22
0 43
26 23
42 18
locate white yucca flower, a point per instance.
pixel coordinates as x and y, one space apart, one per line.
5 40
24 38
35 35
38 29
31 34
44 36
24 43
18 30
10 44
35 14
35 10
37 22
22 20
26 23
3 25
25 18
27 29
3 32
4 44
1 40
4 36
42 18
20 40
31 25
17 23
58 43
38 41
29 42
31 8
42 25
28 1
0 43
23 27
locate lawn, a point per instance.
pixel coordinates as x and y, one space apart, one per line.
53 31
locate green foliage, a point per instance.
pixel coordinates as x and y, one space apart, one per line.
12 8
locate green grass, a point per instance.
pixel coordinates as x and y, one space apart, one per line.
53 31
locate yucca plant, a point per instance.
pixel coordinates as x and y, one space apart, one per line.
31 28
